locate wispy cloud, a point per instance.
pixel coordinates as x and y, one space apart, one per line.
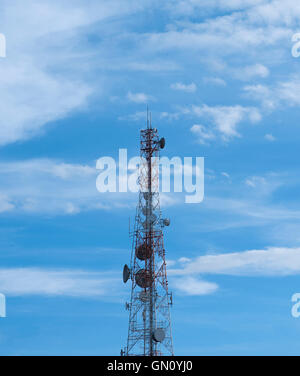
283 93
137 116
251 71
49 186
192 286
36 87
225 174
189 7
81 283
215 81
188 88
225 119
60 282
238 32
202 133
270 137
5 203
254 201
263 262
186 275
139 97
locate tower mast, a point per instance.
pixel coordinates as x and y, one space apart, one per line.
149 331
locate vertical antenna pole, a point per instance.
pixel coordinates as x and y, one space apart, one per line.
149 331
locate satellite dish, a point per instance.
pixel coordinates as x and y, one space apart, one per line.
143 252
166 222
162 143
143 278
126 273
159 335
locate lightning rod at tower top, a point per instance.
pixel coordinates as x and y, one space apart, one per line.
149 330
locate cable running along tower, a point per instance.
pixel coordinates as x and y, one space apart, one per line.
149 331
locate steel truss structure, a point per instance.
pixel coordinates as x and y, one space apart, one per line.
149 331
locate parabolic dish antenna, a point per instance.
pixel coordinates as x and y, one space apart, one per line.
166 222
126 273
159 335
143 252
143 278
162 143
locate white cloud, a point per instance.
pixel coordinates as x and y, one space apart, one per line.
252 202
270 262
225 174
49 282
261 93
137 116
47 166
226 118
44 77
81 283
31 98
71 208
238 32
190 7
192 286
223 120
252 210
35 83
168 199
283 93
203 134
252 71
139 97
145 66
255 181
170 116
188 88
215 81
270 137
53 187
276 12
5 204
45 186
289 91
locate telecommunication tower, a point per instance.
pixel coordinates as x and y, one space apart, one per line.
149 331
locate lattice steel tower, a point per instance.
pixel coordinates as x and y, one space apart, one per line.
149 331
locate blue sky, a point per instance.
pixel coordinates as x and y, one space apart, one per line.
222 84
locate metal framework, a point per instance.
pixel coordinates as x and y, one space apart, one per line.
149 331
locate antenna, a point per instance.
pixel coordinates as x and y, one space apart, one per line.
147 117
149 332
